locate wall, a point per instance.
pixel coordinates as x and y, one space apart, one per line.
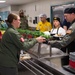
7 8
34 9
15 9
12 8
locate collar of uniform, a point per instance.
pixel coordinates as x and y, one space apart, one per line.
11 26
73 21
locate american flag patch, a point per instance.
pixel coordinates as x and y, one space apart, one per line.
22 39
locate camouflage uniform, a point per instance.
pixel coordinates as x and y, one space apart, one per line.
24 23
11 44
3 24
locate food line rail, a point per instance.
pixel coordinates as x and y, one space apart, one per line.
39 68
43 67
38 65
36 69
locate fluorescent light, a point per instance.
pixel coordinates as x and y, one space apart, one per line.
2 1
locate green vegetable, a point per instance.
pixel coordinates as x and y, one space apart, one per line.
34 33
46 36
3 28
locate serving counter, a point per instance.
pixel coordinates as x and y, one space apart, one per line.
43 63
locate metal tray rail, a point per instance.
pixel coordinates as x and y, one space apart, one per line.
40 68
35 68
32 67
28 68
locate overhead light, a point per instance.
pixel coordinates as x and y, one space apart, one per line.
2 1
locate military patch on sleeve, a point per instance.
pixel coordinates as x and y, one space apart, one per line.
22 39
70 27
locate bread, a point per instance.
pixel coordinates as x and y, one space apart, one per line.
24 57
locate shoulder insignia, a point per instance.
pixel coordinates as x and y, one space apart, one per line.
22 39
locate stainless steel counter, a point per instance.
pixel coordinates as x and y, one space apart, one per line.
44 64
43 67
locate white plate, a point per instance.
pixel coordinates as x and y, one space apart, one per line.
57 36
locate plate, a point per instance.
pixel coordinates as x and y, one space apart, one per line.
57 36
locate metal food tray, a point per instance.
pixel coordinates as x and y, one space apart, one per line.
41 50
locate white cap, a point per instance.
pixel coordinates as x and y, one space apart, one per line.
43 15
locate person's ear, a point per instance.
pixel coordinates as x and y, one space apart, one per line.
14 20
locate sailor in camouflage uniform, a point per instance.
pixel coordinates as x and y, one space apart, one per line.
68 40
24 21
11 44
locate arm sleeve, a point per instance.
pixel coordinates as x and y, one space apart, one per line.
25 45
67 39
